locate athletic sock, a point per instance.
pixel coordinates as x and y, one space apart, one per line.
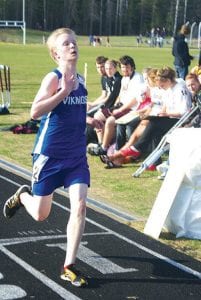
68 266
134 149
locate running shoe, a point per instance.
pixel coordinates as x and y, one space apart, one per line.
110 164
71 274
13 203
104 159
130 152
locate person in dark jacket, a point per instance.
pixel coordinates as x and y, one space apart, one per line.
180 51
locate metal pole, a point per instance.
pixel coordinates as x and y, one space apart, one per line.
185 10
199 36
44 16
24 22
85 74
191 33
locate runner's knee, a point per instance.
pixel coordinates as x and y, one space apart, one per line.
79 210
41 216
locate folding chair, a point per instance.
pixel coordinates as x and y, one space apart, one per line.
163 145
5 85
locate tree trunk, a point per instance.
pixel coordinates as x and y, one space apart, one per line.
176 16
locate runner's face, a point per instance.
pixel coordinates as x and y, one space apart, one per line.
126 70
66 48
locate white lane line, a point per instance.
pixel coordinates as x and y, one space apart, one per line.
96 261
9 180
28 239
153 253
63 293
8 291
147 250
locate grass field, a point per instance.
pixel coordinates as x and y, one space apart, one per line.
116 187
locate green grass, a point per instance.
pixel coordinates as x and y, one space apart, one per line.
116 187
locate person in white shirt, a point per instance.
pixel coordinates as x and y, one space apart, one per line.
176 102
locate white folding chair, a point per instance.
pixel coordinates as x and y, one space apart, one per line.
5 85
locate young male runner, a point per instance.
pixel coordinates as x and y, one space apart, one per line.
59 154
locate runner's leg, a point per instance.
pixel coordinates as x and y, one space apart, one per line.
76 223
37 206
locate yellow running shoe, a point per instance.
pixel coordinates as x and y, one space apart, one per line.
13 203
71 274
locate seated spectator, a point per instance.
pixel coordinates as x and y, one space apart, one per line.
197 69
154 94
125 102
125 131
176 102
113 85
194 86
100 66
127 124
92 125
91 136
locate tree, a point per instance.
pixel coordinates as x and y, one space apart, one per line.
176 16
108 17
104 17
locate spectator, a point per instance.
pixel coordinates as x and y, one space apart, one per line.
194 86
153 37
98 41
91 40
93 106
176 102
180 51
125 102
139 40
98 124
197 69
108 41
113 82
100 66
113 85
125 130
153 107
95 41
